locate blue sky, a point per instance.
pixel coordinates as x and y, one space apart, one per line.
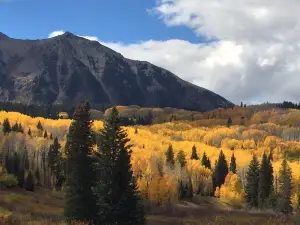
126 21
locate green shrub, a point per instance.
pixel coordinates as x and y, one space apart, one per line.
8 181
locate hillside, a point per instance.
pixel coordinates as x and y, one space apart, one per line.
268 130
68 69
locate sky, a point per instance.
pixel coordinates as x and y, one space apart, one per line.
243 50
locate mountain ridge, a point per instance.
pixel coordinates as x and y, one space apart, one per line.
70 69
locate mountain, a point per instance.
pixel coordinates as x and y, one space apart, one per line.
69 69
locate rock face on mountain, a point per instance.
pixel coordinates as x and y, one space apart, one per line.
69 69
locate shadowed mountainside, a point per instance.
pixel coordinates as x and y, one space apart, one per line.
70 69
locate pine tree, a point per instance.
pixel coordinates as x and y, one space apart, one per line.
189 188
29 132
16 162
45 134
181 190
205 161
251 189
51 136
170 157
180 158
284 203
29 182
265 184
118 199
221 170
229 122
9 163
6 126
194 153
232 167
208 166
39 126
15 127
80 203
55 162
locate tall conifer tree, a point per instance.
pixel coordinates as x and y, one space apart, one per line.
194 153
221 170
232 167
6 126
284 203
205 161
252 177
118 200
80 203
265 184
170 156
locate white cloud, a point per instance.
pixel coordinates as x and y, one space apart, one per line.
244 74
255 58
55 33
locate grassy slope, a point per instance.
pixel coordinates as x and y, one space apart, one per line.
45 205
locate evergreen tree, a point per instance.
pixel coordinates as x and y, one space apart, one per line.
205 161
170 157
80 203
53 154
45 134
118 199
208 165
29 182
265 184
6 126
284 203
29 132
194 153
15 127
229 122
181 190
180 158
232 167
56 163
39 126
251 189
189 188
51 136
9 163
221 170
16 162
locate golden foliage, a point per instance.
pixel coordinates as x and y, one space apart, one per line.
231 190
156 182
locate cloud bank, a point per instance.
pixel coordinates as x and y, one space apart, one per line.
256 57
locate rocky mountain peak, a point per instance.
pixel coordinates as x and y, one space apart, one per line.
69 69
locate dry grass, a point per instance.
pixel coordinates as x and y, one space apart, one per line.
46 208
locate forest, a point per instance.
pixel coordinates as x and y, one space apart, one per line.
248 157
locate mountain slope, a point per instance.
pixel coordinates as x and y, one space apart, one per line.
70 69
